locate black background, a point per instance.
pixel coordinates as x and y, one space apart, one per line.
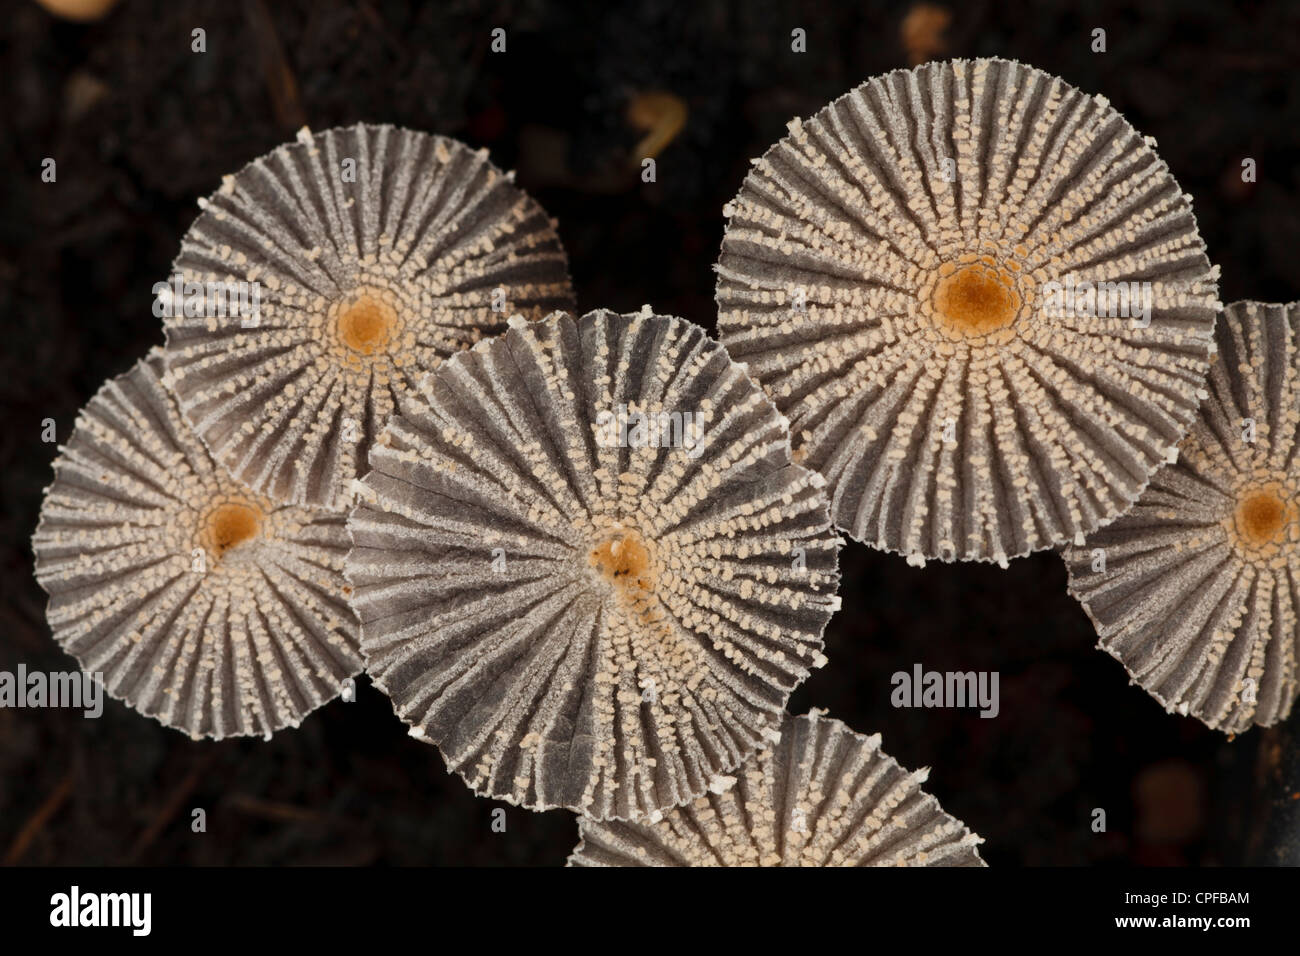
141 127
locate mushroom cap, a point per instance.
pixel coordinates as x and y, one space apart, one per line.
79 11
206 606
890 275
823 796
377 252
1199 590
580 618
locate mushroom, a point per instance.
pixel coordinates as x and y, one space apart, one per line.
204 605
373 253
1196 590
899 273
79 11
823 796
586 568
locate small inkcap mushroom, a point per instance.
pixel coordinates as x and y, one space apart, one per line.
586 568
822 796
1196 590
981 300
203 604
372 253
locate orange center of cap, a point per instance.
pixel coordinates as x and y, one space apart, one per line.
230 525
624 561
1261 518
366 325
976 299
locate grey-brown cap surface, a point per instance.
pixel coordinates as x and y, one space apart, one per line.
1197 589
914 277
586 568
204 605
374 252
822 796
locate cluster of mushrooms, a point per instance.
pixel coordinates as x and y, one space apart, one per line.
400 467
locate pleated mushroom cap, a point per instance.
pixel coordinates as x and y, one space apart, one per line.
204 605
823 796
1196 591
581 615
377 252
900 274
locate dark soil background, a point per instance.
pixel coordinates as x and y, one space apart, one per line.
141 127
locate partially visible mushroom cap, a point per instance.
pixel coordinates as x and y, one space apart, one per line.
823 796
1196 590
577 616
376 252
204 605
78 11
890 275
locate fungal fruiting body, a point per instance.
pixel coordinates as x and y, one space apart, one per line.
586 568
202 603
981 300
361 257
1196 591
822 796
79 11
